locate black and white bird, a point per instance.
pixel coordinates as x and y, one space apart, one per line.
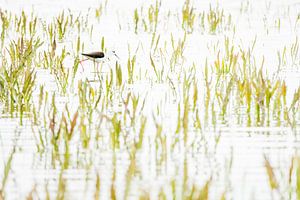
100 57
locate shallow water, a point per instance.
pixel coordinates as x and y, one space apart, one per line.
230 152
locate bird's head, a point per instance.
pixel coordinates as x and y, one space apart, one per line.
113 54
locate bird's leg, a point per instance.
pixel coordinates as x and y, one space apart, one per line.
95 69
81 61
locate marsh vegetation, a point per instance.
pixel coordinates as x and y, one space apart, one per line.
204 102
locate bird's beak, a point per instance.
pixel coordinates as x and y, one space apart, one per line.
117 56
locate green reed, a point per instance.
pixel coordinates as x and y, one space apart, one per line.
115 132
97 190
153 13
214 18
147 17
62 23
130 68
61 73
188 16
61 187
7 170
271 175
136 20
18 77
178 50
5 23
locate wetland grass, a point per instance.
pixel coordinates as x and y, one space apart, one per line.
5 22
147 18
62 23
7 169
188 16
131 68
17 76
233 87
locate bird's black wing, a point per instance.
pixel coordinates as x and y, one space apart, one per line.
97 54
